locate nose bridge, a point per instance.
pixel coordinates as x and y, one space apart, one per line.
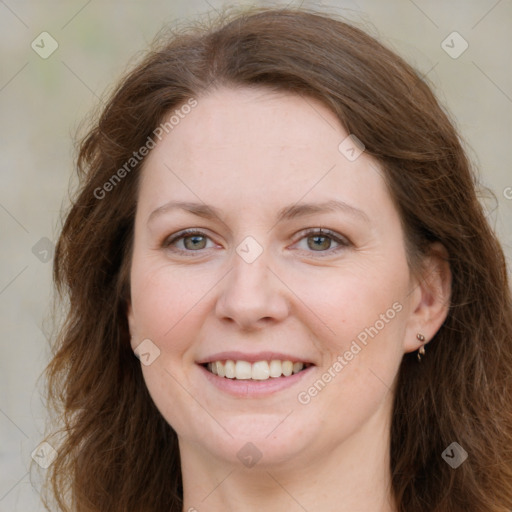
251 292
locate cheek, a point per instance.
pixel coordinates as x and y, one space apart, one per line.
358 303
164 299
168 307
362 349
364 314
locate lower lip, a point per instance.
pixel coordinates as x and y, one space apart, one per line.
254 388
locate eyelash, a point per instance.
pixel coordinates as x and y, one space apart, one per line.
341 240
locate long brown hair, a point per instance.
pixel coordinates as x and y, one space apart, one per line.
116 452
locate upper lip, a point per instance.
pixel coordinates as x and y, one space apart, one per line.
252 358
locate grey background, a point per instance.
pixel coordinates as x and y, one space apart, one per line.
43 101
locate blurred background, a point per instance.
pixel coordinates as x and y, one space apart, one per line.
57 61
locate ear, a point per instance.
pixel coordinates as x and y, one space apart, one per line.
430 298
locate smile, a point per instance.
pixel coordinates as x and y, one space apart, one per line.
259 370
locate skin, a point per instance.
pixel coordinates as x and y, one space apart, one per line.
250 153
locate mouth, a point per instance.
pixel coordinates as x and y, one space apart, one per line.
257 371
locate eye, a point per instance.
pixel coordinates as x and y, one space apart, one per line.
322 240
190 240
317 240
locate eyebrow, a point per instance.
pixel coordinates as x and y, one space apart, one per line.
287 213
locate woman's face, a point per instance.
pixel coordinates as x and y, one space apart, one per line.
254 286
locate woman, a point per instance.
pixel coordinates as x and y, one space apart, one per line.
277 217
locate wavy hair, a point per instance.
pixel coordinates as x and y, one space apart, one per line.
115 450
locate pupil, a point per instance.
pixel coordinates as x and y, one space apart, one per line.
320 242
194 242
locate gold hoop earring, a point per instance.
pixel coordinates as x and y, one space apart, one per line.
421 350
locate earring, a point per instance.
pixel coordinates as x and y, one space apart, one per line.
421 350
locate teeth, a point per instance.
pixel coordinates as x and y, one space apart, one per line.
243 369
261 370
297 367
221 372
229 367
287 368
276 368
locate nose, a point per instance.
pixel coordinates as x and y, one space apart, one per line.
252 296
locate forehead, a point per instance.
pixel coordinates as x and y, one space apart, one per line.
253 145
